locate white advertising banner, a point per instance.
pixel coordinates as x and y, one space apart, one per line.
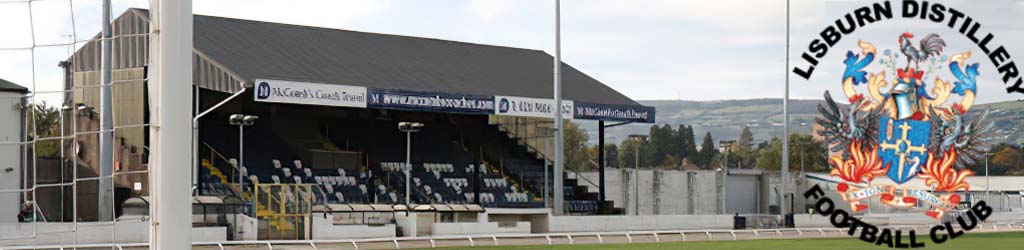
531 107
280 91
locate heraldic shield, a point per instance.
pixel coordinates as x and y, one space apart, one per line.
903 146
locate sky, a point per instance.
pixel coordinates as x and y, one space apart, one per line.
645 49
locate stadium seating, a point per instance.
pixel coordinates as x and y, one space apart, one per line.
510 176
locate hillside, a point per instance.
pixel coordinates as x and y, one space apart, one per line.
726 118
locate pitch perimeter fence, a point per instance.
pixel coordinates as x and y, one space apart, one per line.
624 237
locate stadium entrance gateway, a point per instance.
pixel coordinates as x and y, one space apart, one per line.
327 138
903 129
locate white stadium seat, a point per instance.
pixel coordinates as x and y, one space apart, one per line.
277 163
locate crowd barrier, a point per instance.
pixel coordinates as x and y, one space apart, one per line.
531 239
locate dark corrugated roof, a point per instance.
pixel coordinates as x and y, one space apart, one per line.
254 49
11 87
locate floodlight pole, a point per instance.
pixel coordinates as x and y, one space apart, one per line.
408 167
241 156
105 195
171 57
636 179
988 183
558 167
785 124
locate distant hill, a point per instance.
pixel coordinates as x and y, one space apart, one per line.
726 118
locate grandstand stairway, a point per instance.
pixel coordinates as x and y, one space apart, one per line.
578 198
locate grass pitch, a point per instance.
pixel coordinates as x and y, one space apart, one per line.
986 241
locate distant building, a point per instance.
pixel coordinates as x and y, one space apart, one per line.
726 146
12 120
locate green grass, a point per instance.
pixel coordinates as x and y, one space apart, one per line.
987 241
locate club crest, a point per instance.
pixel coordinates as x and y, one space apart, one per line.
906 120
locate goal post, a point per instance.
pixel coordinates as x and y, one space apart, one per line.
171 86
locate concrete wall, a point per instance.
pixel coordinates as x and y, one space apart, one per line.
134 231
679 192
324 229
10 168
561 224
464 228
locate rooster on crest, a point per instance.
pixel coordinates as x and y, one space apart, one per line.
931 45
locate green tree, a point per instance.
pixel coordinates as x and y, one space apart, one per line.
1003 160
627 154
661 143
689 144
707 152
743 155
577 156
803 150
745 141
45 124
611 153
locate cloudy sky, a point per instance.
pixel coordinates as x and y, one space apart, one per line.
652 49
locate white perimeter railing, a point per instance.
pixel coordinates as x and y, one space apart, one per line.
535 239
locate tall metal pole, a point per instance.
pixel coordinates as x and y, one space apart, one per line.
636 180
241 155
171 64
987 182
558 167
785 115
105 197
600 166
408 167
725 180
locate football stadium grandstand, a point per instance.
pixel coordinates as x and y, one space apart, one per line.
338 139
485 140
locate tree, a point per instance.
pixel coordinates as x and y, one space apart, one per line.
743 155
1004 160
689 144
661 143
803 149
627 153
611 153
45 124
577 156
707 151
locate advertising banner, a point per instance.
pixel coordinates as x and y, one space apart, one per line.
606 112
279 91
531 107
442 102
